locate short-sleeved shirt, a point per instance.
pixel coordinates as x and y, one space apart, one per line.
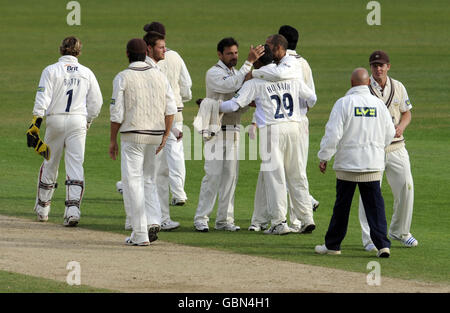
397 102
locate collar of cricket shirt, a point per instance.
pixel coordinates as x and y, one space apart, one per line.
139 66
151 62
68 58
222 65
377 86
358 89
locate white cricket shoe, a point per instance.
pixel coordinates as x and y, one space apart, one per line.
408 241
201 227
258 227
71 221
119 187
384 253
130 242
280 229
322 249
227 227
296 228
42 213
370 247
177 202
169 225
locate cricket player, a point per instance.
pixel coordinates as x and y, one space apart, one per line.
288 67
70 99
142 109
221 173
278 116
398 167
357 132
172 170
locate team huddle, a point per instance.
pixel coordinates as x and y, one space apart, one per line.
364 134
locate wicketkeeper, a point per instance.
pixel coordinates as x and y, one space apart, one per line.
69 97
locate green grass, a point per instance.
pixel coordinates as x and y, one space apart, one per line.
334 39
13 282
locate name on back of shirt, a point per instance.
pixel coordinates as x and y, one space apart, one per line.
280 86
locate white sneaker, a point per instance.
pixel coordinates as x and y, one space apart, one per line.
129 242
371 247
254 228
153 231
280 229
201 227
119 187
71 221
324 250
384 253
409 241
227 227
295 228
169 225
177 202
42 213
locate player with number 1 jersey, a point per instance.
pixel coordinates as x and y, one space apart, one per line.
69 97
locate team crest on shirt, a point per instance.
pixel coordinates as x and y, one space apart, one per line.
236 95
408 103
366 111
113 101
41 89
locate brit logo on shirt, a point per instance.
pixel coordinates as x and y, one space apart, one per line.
41 89
113 101
70 68
408 103
366 111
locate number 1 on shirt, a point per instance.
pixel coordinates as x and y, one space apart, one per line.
69 100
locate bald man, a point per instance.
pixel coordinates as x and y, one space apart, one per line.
357 132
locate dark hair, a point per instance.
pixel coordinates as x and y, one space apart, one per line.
155 27
278 40
267 57
152 37
291 35
226 42
136 50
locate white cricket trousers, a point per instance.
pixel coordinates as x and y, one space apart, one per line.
399 177
64 133
175 160
221 175
139 191
162 183
283 168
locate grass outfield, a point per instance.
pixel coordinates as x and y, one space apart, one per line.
335 39
13 282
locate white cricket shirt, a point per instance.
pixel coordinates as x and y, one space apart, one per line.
67 87
276 102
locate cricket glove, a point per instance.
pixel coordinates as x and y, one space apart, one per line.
33 139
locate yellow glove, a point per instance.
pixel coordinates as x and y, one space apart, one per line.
33 131
33 139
